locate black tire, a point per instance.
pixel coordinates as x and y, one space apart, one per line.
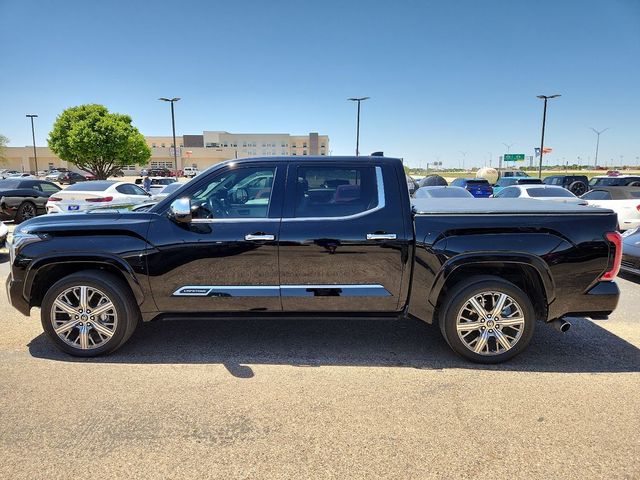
578 188
458 297
26 210
117 291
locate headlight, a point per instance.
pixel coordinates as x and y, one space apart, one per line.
21 240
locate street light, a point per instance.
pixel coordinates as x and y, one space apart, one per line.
358 99
598 142
173 125
33 135
544 121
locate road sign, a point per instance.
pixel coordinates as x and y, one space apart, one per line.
514 157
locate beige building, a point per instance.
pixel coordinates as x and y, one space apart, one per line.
211 147
199 151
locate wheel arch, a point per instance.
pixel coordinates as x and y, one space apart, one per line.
531 274
44 272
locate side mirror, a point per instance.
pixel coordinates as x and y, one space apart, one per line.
180 210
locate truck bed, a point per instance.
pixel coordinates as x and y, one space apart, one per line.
499 206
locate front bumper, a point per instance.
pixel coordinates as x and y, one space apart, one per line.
14 293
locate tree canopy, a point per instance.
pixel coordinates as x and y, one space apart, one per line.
97 141
3 143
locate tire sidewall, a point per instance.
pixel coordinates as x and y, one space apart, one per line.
110 288
459 296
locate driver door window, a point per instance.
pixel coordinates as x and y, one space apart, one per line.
236 193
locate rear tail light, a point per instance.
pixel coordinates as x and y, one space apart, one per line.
55 199
638 208
100 199
616 240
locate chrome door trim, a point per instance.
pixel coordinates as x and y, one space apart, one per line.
381 236
264 237
321 290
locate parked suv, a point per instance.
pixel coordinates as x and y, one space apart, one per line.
576 184
478 187
615 181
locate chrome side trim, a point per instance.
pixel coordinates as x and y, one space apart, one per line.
326 290
227 291
380 206
235 220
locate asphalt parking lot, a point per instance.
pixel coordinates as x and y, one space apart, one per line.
320 399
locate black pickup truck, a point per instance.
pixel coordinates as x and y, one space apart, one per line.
318 236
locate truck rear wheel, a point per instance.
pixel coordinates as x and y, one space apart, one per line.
487 319
89 313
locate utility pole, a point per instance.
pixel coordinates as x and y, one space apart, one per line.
544 121
358 99
33 136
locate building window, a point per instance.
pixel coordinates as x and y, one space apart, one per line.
293 153
244 144
293 145
304 145
153 145
163 146
304 152
322 153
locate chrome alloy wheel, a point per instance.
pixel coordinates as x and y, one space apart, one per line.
28 211
490 323
84 317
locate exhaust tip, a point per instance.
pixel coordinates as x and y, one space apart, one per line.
561 325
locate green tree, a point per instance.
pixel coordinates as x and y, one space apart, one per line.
97 141
3 143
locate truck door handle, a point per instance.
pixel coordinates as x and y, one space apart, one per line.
259 236
381 236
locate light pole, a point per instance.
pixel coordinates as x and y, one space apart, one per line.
464 156
173 125
544 121
358 99
33 135
598 142
508 145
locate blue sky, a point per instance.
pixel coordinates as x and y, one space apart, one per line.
443 77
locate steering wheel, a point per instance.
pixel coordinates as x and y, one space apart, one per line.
241 195
216 205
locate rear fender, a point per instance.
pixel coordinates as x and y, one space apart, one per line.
488 260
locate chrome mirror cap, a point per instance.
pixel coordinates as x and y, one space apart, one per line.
180 210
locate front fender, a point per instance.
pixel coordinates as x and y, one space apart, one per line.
91 259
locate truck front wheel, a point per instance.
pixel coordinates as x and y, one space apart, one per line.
487 319
89 313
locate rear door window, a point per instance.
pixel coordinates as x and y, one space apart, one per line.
329 191
597 195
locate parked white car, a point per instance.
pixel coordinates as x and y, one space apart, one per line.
20 175
190 171
625 201
84 196
540 192
157 183
164 193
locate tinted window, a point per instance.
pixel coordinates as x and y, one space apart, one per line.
130 189
597 195
231 194
505 182
9 184
335 192
549 192
509 192
607 182
458 182
478 181
95 186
